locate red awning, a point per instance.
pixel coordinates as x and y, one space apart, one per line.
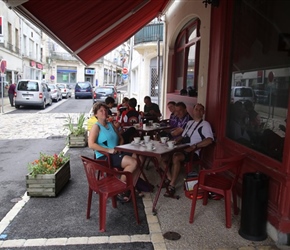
90 29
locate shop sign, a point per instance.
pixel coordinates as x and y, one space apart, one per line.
39 66
89 71
32 63
3 66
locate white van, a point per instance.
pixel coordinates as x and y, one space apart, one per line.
242 94
32 93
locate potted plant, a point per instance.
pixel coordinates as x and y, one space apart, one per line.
77 136
47 175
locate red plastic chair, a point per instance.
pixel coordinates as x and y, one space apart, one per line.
107 162
194 160
105 182
215 180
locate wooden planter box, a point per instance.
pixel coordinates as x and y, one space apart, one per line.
78 141
48 184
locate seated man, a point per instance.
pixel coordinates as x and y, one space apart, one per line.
172 118
110 102
198 133
178 122
131 115
122 107
151 110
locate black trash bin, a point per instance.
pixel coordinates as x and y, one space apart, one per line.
254 206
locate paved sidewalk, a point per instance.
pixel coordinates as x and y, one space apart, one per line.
6 108
25 225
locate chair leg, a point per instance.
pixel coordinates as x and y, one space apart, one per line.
135 205
188 166
193 204
235 204
102 212
205 197
228 209
89 203
114 202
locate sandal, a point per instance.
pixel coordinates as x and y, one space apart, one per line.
124 197
170 191
165 183
139 194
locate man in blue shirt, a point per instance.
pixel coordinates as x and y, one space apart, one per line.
180 120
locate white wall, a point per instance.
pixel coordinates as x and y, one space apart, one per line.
181 13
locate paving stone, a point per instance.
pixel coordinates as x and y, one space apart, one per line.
77 240
12 243
35 242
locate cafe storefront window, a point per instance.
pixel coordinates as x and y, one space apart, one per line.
66 74
187 56
260 76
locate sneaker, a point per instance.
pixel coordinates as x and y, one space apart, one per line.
214 196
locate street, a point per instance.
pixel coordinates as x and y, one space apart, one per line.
26 132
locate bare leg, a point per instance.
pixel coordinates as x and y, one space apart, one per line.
128 164
177 159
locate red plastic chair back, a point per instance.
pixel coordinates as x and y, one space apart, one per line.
106 183
218 181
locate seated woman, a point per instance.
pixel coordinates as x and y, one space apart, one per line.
104 137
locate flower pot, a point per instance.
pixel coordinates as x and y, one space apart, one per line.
77 141
48 184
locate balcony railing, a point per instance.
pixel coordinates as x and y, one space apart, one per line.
62 56
150 33
10 47
67 57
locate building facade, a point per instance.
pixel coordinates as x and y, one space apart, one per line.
242 44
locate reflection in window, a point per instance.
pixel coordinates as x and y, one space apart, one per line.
186 57
260 76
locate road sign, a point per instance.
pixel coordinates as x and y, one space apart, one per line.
3 66
124 76
271 76
125 71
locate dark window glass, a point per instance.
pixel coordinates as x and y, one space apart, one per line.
187 57
260 76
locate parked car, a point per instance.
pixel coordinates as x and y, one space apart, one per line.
55 92
102 92
83 90
262 96
241 93
32 93
65 90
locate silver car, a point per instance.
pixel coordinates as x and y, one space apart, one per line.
55 92
242 94
32 93
65 90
